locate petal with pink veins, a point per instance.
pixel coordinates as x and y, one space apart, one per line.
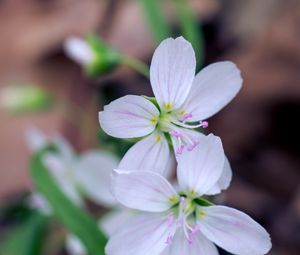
172 72
128 117
200 245
200 169
213 88
224 180
145 234
233 231
143 190
151 153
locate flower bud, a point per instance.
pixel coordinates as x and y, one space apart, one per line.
23 98
94 55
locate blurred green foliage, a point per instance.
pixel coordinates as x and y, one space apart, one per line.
156 19
191 29
26 238
24 98
77 221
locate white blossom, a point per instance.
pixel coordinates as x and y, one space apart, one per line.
183 223
182 103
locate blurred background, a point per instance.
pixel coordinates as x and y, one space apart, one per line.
259 129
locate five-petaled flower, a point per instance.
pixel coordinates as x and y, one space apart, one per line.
182 222
182 103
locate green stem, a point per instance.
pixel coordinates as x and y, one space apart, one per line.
156 19
136 65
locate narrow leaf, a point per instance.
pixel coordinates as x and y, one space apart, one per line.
190 29
72 217
156 19
27 238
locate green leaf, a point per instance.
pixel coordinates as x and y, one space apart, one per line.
27 238
190 29
202 201
156 19
72 217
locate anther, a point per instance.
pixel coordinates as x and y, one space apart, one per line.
204 124
175 133
179 150
169 240
186 116
193 234
170 219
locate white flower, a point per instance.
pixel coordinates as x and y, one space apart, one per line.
183 223
88 173
79 50
182 102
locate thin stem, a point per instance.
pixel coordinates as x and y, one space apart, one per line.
158 24
136 65
191 29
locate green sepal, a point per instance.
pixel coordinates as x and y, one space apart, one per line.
152 100
202 201
106 59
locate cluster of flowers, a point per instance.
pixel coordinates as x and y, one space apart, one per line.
157 215
177 219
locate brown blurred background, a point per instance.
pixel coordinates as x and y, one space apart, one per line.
260 128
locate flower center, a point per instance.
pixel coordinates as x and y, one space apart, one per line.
184 215
175 125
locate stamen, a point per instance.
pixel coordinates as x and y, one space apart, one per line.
169 239
175 134
182 202
193 234
179 150
180 145
170 219
204 124
186 116
192 146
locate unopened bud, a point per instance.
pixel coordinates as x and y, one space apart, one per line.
93 54
23 98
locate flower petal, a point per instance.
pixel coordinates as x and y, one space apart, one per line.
213 88
93 174
153 155
172 72
64 147
114 220
35 139
129 116
234 231
39 202
145 234
224 180
63 175
180 246
74 246
200 169
143 190
78 50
